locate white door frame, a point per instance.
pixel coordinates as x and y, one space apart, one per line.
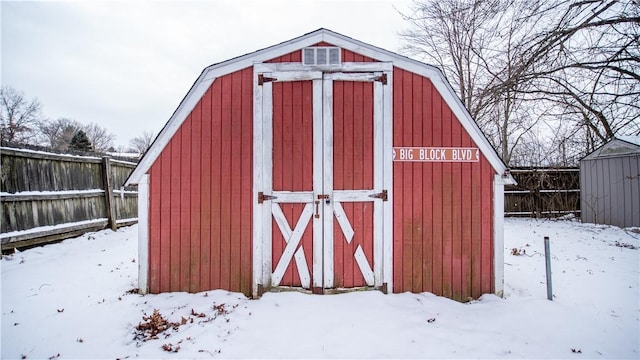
263 211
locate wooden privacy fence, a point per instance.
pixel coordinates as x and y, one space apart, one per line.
47 197
543 192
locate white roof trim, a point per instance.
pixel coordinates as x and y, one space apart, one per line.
626 146
182 112
635 140
322 35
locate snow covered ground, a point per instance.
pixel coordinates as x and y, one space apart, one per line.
71 300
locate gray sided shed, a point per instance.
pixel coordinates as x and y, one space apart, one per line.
610 183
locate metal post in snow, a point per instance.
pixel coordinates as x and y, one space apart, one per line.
547 256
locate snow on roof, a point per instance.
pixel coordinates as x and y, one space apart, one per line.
41 152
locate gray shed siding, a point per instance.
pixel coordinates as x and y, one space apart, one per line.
610 190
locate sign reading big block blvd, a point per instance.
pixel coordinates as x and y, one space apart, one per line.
436 154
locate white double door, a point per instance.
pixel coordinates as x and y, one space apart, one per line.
321 178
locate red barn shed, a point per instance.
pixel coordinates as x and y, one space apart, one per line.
321 163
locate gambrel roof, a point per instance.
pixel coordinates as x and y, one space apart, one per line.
210 73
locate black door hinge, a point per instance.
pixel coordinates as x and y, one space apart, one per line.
262 197
263 79
382 78
381 195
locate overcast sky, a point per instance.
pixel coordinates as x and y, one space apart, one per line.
127 65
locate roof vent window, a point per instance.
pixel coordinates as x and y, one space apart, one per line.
334 56
321 55
309 56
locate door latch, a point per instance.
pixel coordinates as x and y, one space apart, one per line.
325 197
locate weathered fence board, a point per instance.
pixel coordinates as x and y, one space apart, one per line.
27 170
47 197
543 192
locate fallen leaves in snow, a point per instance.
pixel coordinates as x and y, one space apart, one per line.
153 325
171 348
197 314
626 245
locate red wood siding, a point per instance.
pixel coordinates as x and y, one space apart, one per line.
350 56
292 165
443 220
295 56
200 208
353 170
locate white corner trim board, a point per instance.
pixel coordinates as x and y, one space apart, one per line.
143 235
498 234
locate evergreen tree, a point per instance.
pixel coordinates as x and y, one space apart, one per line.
80 142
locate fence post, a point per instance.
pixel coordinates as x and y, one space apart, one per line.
108 193
547 257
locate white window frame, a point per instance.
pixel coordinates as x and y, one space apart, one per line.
327 56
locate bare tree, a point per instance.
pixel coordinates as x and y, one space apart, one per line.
452 34
57 134
517 63
141 143
100 138
476 44
18 116
586 62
